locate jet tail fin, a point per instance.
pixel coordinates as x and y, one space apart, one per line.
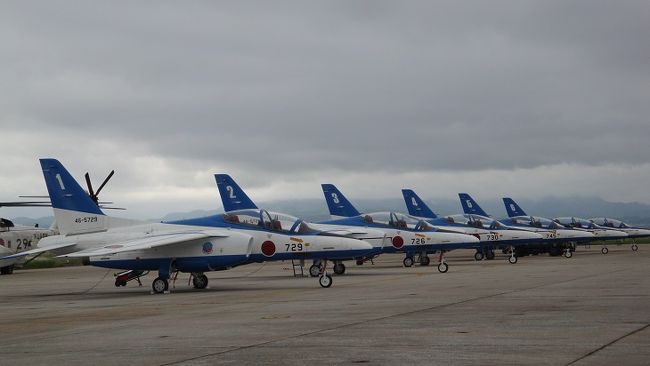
337 203
232 196
416 206
470 206
513 208
74 211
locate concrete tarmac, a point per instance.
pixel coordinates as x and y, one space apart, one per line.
592 309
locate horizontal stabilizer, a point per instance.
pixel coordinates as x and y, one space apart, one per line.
41 250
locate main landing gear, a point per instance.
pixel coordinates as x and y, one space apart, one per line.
7 270
339 268
424 260
604 250
408 261
199 280
160 285
484 254
316 268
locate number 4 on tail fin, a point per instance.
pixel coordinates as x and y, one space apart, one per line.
416 206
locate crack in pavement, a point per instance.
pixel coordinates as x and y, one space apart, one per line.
347 325
608 344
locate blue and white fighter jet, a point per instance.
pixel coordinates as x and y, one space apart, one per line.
548 228
279 236
633 232
491 233
407 235
600 232
195 246
105 241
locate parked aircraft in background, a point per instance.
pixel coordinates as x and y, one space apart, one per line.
633 232
278 236
407 235
15 239
600 233
491 233
551 230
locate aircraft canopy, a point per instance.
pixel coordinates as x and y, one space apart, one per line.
269 220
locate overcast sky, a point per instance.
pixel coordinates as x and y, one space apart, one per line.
525 98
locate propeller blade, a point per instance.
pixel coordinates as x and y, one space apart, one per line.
90 188
104 183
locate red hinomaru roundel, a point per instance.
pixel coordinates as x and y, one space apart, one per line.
398 241
268 248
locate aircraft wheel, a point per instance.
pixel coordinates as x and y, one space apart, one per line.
443 267
119 283
635 247
490 255
478 256
339 268
200 281
7 270
325 281
604 250
314 270
425 261
512 259
160 285
568 254
408 262
359 262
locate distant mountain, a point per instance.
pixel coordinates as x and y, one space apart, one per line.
186 215
44 222
316 209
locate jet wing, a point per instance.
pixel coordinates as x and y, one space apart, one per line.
41 250
148 242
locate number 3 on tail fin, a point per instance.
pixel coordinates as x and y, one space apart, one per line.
335 198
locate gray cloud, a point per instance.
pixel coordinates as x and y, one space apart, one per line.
300 90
